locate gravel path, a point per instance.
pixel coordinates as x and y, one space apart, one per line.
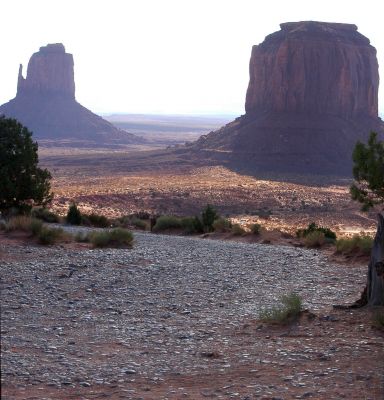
88 317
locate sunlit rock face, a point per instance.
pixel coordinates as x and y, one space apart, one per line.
46 104
312 93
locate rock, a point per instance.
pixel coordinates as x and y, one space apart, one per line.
45 103
312 94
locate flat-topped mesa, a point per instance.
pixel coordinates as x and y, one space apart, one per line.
50 73
314 67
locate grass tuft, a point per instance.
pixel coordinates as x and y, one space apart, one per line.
288 311
356 244
117 237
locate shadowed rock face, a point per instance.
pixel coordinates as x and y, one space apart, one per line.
313 92
46 104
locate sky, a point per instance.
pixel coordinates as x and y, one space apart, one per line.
164 56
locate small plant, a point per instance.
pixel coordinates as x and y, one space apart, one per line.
255 229
97 220
314 239
167 222
222 225
117 237
191 225
22 223
237 230
73 215
45 215
139 223
51 235
329 235
208 216
82 237
356 244
289 310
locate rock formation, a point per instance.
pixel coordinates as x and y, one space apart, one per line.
46 104
313 92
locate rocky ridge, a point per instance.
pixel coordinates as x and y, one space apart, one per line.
45 103
312 94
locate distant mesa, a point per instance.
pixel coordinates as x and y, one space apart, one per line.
45 103
312 93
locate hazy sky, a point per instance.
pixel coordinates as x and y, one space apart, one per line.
163 56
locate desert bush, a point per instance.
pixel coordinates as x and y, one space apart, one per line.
237 230
255 229
100 221
288 311
138 223
355 244
167 222
82 237
208 216
191 225
51 235
73 215
314 239
117 237
329 235
22 223
222 225
45 215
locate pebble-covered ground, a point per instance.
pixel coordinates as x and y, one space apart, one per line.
133 323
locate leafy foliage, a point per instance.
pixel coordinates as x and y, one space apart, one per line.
288 311
74 215
313 227
368 171
208 216
22 183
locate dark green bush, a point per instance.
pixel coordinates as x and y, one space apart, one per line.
328 234
45 215
51 235
167 222
73 215
356 244
208 217
138 223
97 220
222 225
117 237
255 229
191 225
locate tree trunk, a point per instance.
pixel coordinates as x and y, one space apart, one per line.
375 279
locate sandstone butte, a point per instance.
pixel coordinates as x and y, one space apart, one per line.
312 94
45 103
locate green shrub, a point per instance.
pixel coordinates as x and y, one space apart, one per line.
51 235
222 225
167 222
45 215
36 226
138 223
255 229
73 215
191 225
328 234
355 244
314 239
237 230
208 216
82 237
288 311
97 220
22 223
117 237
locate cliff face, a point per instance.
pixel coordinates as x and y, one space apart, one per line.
312 94
45 103
50 72
320 68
